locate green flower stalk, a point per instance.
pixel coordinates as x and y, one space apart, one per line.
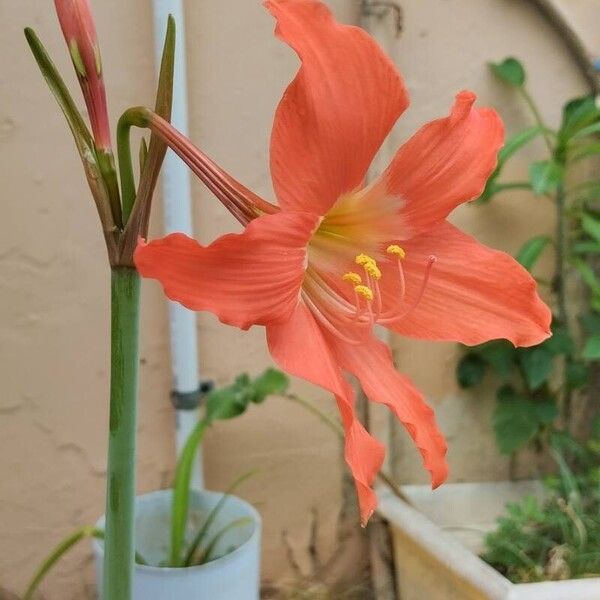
123 221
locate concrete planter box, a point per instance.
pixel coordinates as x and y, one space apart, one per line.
437 541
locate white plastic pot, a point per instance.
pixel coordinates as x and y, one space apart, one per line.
234 576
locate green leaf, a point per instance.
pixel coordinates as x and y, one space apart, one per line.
510 71
228 402
595 429
512 145
537 365
517 141
515 421
223 403
591 225
584 248
545 176
210 548
531 250
231 401
57 553
546 411
181 490
586 192
214 513
81 134
591 350
592 129
561 342
270 382
470 370
587 274
140 213
500 355
492 188
579 152
577 114
576 375
590 323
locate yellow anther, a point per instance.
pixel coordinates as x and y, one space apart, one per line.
363 259
372 269
364 291
396 250
352 277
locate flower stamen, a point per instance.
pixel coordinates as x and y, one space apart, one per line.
364 291
396 250
363 259
390 317
352 277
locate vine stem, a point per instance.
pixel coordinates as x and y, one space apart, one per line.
537 117
119 546
562 250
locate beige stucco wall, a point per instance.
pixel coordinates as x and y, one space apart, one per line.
54 280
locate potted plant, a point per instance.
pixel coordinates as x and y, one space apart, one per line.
299 268
192 544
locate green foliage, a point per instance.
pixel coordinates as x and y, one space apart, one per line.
512 146
531 250
557 537
500 355
470 370
233 400
514 421
510 71
536 384
560 536
591 350
578 115
223 403
591 225
198 552
536 365
545 176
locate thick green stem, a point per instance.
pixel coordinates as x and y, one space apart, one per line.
119 548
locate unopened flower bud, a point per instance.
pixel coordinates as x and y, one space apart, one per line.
78 27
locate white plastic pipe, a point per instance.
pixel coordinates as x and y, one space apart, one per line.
176 192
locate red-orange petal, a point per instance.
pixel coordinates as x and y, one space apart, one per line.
299 347
474 293
446 163
251 278
372 364
337 111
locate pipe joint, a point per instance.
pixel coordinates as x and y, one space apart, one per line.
191 400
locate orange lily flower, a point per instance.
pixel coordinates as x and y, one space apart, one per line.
335 258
